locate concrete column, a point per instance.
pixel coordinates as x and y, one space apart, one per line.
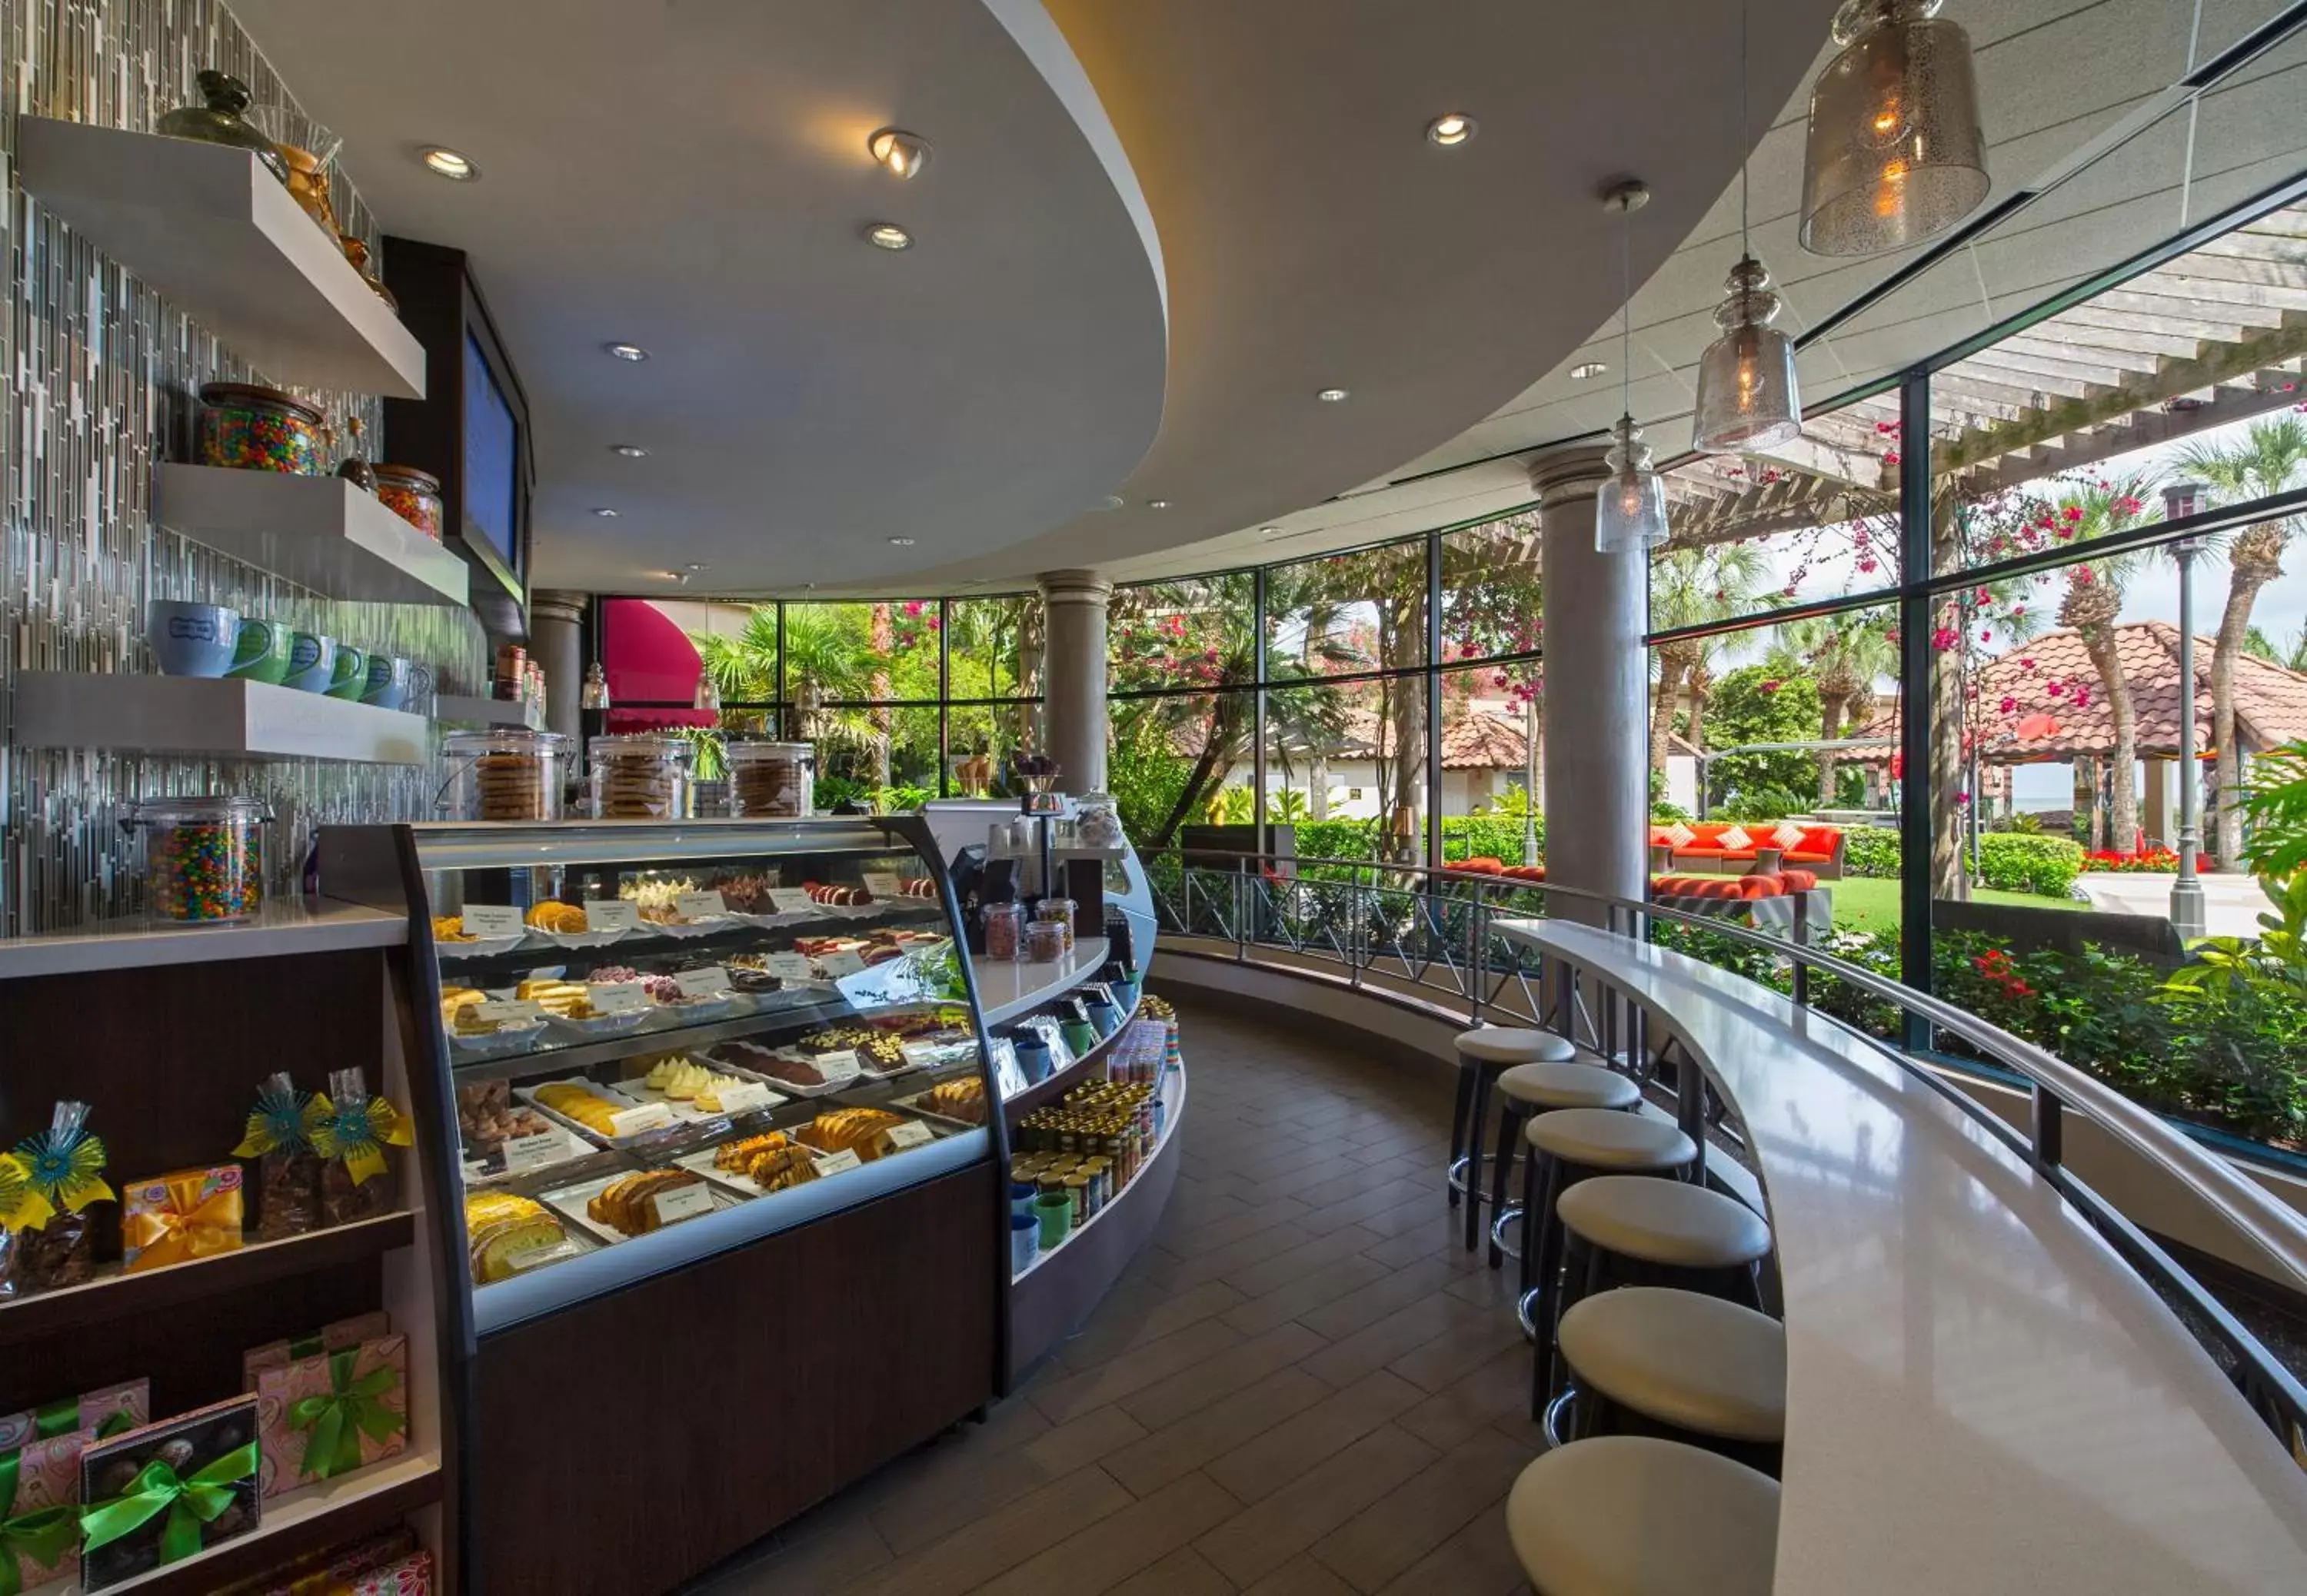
1072 669
556 637
1596 690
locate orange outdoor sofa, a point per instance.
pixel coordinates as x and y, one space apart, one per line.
1732 847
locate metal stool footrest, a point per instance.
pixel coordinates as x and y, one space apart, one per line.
1479 1191
1509 1218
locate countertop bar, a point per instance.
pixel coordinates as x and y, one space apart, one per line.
1981 1397
317 926
1007 990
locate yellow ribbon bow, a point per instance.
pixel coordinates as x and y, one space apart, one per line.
22 1206
190 1225
358 1133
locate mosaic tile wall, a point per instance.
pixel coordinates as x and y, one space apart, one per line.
99 379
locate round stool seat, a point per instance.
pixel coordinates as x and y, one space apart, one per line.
1504 1045
1568 1086
1627 1515
1663 1222
1694 1361
1607 1138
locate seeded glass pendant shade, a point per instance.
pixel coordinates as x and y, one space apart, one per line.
1746 393
1895 155
1630 508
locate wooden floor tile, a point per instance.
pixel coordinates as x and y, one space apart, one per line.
1079 1442
1218 1376
1183 1573
1478 1560
1213 1431
1122 1544
1291 1448
1073 1395
1260 1539
1409 1523
1301 1575
967 1559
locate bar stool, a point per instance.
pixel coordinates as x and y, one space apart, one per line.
1630 1515
1647 1360
1572 1146
1638 1229
1535 1091
1483 1054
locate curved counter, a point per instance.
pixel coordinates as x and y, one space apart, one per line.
1981 1395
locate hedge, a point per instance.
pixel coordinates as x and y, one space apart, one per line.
2008 861
1464 836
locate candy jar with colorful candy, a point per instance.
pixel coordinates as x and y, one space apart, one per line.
203 857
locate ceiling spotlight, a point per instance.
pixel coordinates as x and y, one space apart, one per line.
631 451
888 235
901 542
1585 368
1450 130
1157 504
902 154
1269 531
447 162
627 350
606 512
1331 396
1111 502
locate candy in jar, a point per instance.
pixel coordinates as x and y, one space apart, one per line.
203 857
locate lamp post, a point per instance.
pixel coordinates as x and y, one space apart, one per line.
2182 499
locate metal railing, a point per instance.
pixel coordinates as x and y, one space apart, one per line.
1413 934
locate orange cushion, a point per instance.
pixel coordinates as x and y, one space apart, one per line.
1803 857
1696 852
1821 838
1798 880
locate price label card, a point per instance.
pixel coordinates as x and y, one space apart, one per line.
883 883
517 1012
632 1122
708 982
835 1162
683 1202
792 901
476 1170
617 997
700 906
611 914
911 1133
791 966
743 1099
525 1153
841 964
922 1055
834 1066
493 919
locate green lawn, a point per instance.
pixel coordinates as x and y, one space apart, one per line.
1869 904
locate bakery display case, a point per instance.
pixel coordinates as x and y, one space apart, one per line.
712 1093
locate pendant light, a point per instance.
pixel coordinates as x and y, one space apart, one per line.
1630 508
1894 155
1747 397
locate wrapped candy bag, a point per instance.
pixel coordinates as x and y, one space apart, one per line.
350 1131
65 1172
288 1171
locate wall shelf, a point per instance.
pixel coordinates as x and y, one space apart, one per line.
209 228
224 718
317 531
486 712
1007 990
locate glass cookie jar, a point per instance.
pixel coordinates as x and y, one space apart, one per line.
203 857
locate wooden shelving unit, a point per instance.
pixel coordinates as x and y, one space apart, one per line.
224 718
318 531
209 228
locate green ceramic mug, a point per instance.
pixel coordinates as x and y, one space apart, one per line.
350 677
260 651
1055 1210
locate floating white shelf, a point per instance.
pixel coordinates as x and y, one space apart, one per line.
486 712
1007 990
318 531
226 718
209 228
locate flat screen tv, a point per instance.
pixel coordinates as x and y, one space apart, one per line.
492 463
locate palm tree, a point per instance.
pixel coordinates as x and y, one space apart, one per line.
2271 458
2092 604
2291 655
1844 654
1688 587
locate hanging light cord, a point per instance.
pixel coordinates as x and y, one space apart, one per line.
1626 310
1745 124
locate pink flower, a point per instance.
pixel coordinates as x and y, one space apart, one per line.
1945 638
1771 685
2028 663
2073 512
2055 687
2009 703
913 609
1890 457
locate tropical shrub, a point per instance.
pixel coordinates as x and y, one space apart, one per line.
1872 851
2275 803
2139 861
2014 862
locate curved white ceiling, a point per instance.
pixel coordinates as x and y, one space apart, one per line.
691 176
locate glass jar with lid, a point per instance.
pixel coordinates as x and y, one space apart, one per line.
248 427
641 776
1060 912
506 773
772 781
1097 821
203 857
413 495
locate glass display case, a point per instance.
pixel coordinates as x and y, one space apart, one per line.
655 1042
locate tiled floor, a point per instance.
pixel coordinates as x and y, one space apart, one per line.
1301 1387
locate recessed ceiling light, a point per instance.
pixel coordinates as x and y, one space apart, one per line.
1111 502
1585 368
1331 396
631 451
606 512
888 235
1450 129
900 153
902 542
447 162
627 350
1269 531
1157 504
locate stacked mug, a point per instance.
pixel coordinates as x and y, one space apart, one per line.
215 640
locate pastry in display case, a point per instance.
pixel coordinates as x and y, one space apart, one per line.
659 1042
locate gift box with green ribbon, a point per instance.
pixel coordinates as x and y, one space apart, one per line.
160 1494
320 1417
108 1412
331 1337
39 1510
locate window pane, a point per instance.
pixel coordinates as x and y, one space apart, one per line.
1346 766
1181 760
1490 589
996 648
855 652
1349 613
884 758
1195 632
1493 753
